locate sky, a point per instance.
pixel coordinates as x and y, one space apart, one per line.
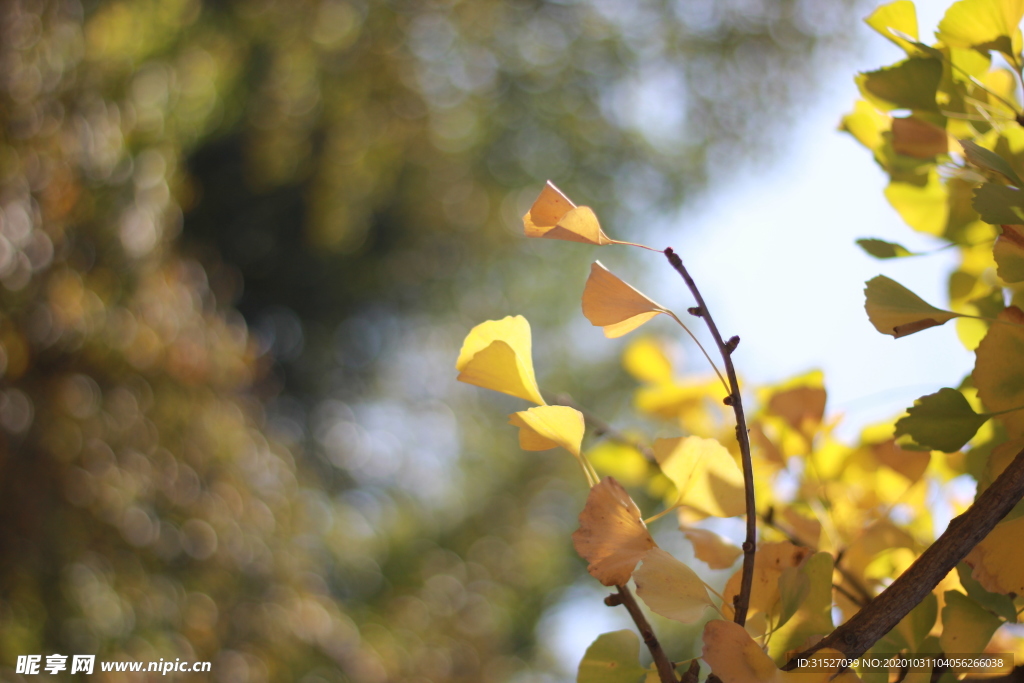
773 251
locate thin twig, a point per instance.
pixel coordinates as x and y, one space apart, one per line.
735 400
666 672
964 532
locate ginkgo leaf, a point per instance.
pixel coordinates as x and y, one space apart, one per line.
612 658
997 562
712 549
805 604
998 370
610 303
899 15
646 360
911 464
801 407
943 421
670 588
706 475
883 250
996 603
925 208
1009 254
998 204
554 216
966 625
866 124
545 427
917 138
769 563
984 24
498 355
990 161
894 309
911 84
736 658
612 536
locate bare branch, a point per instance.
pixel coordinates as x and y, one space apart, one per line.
666 671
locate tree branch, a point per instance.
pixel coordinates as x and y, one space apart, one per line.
725 348
666 671
964 532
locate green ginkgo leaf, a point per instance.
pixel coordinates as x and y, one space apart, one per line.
893 309
990 161
966 625
999 205
883 250
612 658
911 84
943 421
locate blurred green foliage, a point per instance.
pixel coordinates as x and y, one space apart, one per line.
239 243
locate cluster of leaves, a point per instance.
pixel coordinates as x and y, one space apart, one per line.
850 518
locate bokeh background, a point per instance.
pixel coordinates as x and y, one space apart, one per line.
240 244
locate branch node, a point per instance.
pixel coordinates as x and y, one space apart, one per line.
733 342
613 600
695 311
727 400
747 546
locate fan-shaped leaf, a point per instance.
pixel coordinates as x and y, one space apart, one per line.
999 369
712 549
894 309
943 421
990 161
899 15
706 475
545 427
498 355
882 249
966 625
554 216
984 24
998 561
670 588
998 204
612 536
612 658
610 303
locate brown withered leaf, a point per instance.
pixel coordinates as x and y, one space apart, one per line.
612 536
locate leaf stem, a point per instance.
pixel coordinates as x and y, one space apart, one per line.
702 349
666 672
964 532
742 600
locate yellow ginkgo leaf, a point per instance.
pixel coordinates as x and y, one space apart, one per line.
554 216
998 561
769 563
735 658
670 588
547 427
612 536
706 476
712 549
983 24
997 369
894 21
645 359
610 303
498 355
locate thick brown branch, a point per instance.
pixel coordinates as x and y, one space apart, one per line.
725 348
666 671
890 606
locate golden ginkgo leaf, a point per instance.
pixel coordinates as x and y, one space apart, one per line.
670 588
545 427
736 658
612 536
554 216
498 355
769 563
711 549
613 305
997 562
706 475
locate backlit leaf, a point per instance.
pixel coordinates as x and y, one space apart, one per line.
645 359
1009 254
805 602
899 15
917 138
910 463
801 407
943 421
911 84
769 563
545 427
554 216
712 549
706 475
866 124
498 355
612 658
613 305
925 207
882 249
670 588
998 204
966 626
996 603
990 161
999 369
997 563
984 24
612 536
893 309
